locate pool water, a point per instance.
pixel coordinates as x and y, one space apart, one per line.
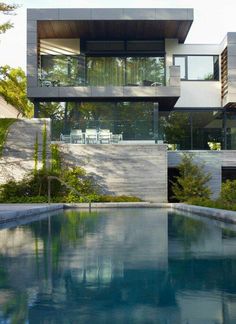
118 266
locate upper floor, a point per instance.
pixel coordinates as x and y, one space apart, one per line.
126 54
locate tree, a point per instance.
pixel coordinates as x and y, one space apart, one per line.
6 9
192 181
13 89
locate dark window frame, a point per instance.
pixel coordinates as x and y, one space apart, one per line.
185 56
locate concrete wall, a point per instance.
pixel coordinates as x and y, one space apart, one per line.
230 42
195 93
18 154
137 170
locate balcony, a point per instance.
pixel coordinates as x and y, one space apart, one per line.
165 92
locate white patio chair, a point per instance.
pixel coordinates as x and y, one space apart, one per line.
65 138
116 138
91 136
76 136
104 136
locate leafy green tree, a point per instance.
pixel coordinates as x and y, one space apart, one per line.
7 9
192 181
13 89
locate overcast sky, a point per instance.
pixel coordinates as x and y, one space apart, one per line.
212 20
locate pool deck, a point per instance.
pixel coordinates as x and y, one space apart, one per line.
12 212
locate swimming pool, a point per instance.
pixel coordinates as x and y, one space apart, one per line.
118 266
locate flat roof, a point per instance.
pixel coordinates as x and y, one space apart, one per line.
117 24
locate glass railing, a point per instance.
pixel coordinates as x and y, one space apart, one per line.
64 71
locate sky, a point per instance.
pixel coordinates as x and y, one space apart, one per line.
212 20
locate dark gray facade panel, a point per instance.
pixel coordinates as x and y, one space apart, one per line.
107 91
43 92
232 49
74 92
42 14
231 38
32 49
108 14
139 91
32 26
31 38
172 14
232 75
32 80
232 61
72 14
136 14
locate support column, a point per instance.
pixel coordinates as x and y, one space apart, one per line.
224 130
155 121
36 109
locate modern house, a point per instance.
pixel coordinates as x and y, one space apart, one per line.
126 93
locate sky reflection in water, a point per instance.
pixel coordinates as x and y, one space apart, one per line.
118 266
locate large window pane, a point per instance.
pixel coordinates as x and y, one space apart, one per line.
203 68
134 120
61 70
231 130
146 71
192 130
207 130
198 67
175 129
105 71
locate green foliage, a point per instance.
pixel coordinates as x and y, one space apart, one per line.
192 181
6 9
55 158
5 123
228 192
36 150
107 198
44 148
13 89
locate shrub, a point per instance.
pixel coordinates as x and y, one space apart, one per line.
228 192
192 181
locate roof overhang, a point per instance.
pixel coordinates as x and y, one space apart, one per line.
115 24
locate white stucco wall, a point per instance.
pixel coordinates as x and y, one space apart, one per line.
195 93
200 94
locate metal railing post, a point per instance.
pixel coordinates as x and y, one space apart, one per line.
69 187
49 190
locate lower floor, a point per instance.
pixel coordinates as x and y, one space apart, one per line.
180 128
136 168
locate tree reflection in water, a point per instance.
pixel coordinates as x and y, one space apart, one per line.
132 266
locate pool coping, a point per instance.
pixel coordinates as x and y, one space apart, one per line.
12 212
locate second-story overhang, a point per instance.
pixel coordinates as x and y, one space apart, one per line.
116 24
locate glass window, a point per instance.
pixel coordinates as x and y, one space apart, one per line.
145 71
202 68
62 70
198 67
195 130
105 71
181 61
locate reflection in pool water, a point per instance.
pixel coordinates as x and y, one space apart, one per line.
118 266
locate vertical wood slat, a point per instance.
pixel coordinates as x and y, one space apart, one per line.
224 73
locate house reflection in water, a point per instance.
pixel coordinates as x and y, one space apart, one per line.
120 266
